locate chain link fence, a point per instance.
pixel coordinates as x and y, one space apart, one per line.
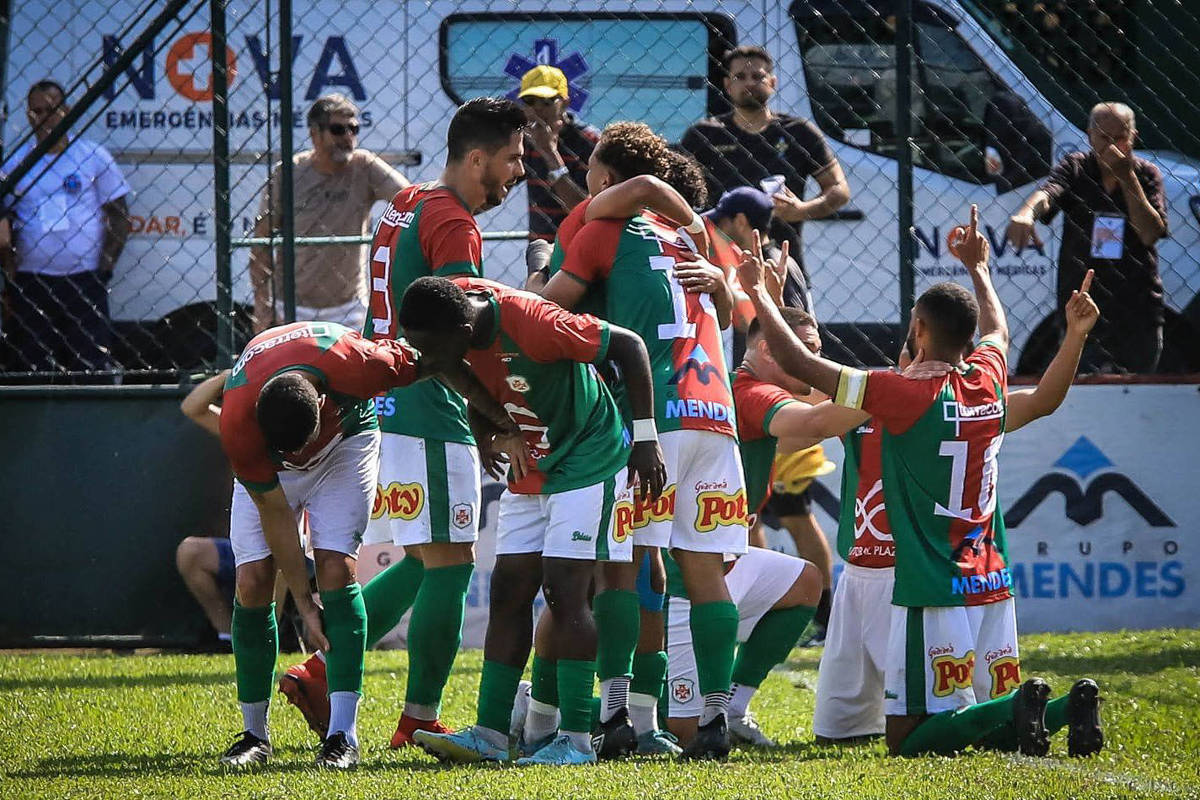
1000 92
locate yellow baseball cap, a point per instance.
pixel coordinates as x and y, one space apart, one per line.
544 81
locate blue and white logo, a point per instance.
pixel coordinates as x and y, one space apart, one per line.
545 53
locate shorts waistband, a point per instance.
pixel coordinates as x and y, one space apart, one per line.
871 573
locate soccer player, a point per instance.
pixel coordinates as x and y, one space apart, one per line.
556 521
640 262
298 427
952 597
428 229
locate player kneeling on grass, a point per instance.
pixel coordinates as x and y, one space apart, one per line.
952 597
298 426
556 519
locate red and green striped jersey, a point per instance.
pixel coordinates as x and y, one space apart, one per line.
635 260
352 370
940 441
593 301
757 402
539 364
864 536
426 230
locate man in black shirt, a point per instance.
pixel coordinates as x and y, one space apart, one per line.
752 143
1114 212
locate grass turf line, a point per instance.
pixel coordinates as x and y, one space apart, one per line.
103 725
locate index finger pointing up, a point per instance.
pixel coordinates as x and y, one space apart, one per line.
1087 281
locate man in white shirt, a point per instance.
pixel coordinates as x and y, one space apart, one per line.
64 227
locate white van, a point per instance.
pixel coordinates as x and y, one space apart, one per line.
408 65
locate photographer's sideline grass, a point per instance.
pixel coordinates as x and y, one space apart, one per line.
112 726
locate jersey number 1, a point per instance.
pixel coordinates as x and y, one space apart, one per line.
957 452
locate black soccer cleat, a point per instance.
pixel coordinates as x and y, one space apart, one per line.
247 751
1029 717
1084 736
615 738
337 753
711 742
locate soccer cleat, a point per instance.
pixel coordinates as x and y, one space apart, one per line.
746 731
526 749
711 742
615 738
305 687
462 747
247 751
561 752
1084 736
1029 717
516 725
407 726
337 753
657 743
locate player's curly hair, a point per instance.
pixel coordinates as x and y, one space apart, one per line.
951 313
685 175
630 149
288 411
433 305
485 123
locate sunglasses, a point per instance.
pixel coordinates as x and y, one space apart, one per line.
338 129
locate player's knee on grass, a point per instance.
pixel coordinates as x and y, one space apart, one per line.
256 583
197 555
703 576
683 728
444 554
897 729
805 591
334 570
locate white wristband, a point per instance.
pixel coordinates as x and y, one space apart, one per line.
696 225
556 173
644 430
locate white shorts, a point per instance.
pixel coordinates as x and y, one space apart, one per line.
703 507
573 524
336 493
352 314
850 679
756 583
942 659
428 491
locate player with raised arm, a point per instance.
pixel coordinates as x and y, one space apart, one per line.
429 229
298 426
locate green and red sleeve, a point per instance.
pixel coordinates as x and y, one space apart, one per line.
894 400
450 237
363 368
546 332
757 402
593 250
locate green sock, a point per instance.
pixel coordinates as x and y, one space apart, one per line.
770 643
346 629
649 673
435 632
1004 738
618 623
389 594
255 649
544 677
575 680
497 692
953 731
714 638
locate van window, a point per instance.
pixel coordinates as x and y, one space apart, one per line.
960 109
660 64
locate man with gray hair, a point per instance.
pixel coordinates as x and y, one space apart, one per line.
1114 213
335 185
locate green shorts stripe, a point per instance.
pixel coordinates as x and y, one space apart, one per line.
914 661
437 490
610 492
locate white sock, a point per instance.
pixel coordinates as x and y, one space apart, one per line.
495 738
643 712
224 637
715 704
343 715
582 741
254 718
740 702
417 711
614 695
540 721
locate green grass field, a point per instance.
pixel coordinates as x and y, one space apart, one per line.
120 726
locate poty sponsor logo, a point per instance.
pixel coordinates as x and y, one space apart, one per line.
992 655
1006 675
698 409
631 515
307 332
956 412
720 508
979 584
940 650
951 674
399 501
396 218
705 486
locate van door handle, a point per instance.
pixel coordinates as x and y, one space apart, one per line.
844 214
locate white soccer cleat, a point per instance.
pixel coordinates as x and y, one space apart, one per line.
746 731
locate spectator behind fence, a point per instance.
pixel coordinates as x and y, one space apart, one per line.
68 222
751 144
335 185
1114 214
557 149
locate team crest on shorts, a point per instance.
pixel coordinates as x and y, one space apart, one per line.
517 383
683 690
461 515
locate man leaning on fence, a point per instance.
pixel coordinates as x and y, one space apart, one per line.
1115 212
335 185
62 231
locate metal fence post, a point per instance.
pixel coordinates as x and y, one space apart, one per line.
904 157
286 201
221 210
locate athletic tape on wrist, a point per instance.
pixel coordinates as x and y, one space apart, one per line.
644 430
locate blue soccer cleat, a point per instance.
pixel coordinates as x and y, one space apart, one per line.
461 747
562 752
